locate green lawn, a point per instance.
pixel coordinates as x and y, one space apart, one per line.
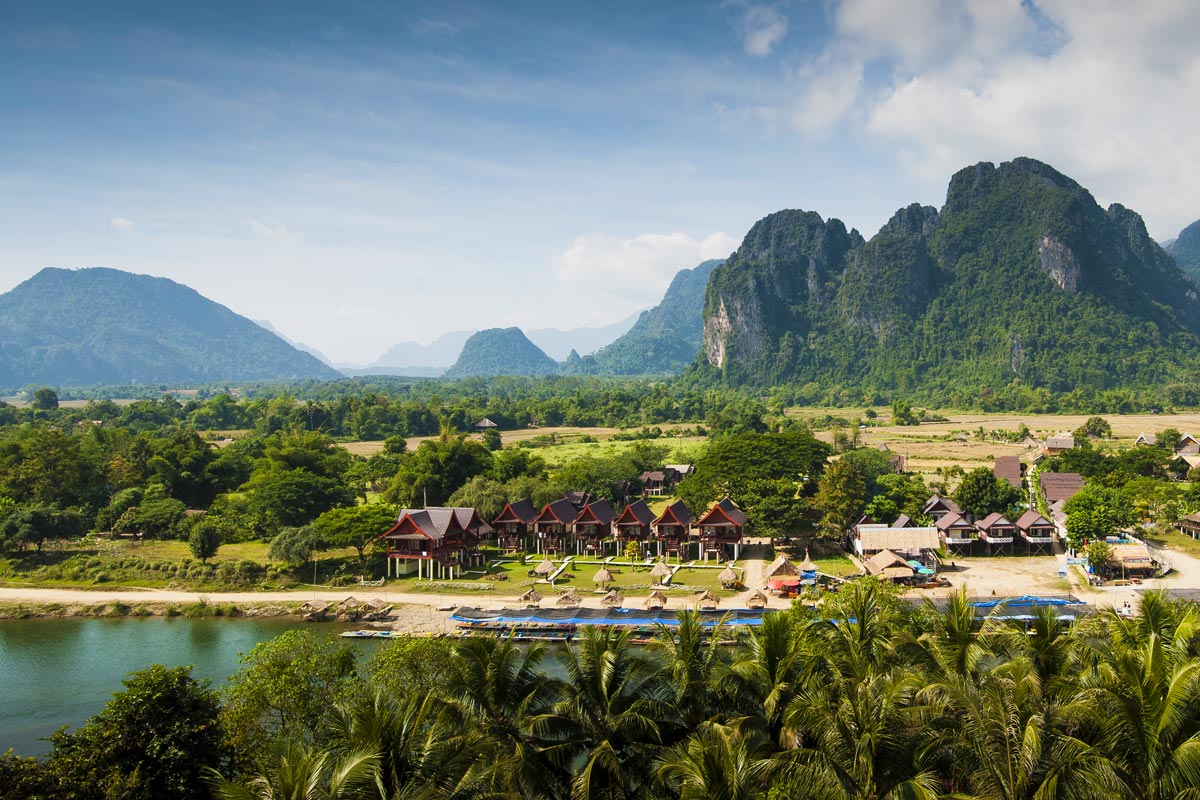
684 449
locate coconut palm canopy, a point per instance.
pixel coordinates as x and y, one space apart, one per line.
728 577
660 570
545 568
656 600
807 564
613 599
569 599
602 576
532 596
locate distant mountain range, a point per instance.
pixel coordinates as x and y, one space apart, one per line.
1019 282
104 326
1185 249
501 351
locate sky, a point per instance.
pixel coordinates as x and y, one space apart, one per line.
364 173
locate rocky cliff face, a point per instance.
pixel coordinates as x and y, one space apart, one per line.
1020 275
1186 251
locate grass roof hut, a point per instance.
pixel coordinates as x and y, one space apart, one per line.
545 568
661 572
708 600
315 606
602 576
807 564
656 601
781 568
569 599
530 598
756 600
350 604
613 599
728 578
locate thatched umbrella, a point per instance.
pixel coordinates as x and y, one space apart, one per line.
807 564
660 572
613 599
602 576
569 599
349 603
545 568
756 600
781 568
728 577
708 600
532 597
656 600
315 605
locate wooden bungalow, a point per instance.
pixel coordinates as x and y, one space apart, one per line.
671 529
958 535
938 507
435 540
593 528
998 532
634 525
513 526
477 530
721 530
553 526
1188 445
1058 443
654 482
1189 525
1037 531
1146 440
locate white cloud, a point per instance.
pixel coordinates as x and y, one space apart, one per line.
122 225
762 27
1100 90
276 232
637 269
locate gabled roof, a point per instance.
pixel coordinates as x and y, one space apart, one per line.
1146 438
726 513
1060 485
877 563
578 499
1032 518
562 511
653 476
953 520
902 521
780 567
636 513
898 538
993 520
675 514
486 423
469 519
521 511
1061 441
936 503
432 523
598 512
1008 468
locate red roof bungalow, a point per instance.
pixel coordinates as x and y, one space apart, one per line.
997 531
938 507
959 535
721 529
633 525
513 525
553 525
671 529
593 527
442 541
1036 530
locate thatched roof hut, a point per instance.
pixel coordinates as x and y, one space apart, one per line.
756 600
545 568
533 596
377 603
613 599
781 568
807 564
660 571
315 606
349 603
602 576
728 577
656 600
708 600
569 599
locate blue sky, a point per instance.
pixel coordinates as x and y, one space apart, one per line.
361 173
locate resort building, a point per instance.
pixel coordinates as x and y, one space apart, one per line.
671 529
552 527
513 526
634 525
1008 468
1037 531
938 507
1058 443
721 531
999 534
436 542
1189 525
957 534
1060 485
593 527
917 543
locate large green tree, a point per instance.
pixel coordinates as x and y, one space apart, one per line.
355 526
981 492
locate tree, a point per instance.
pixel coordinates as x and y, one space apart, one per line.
280 498
294 545
355 526
1099 552
38 524
492 440
731 761
305 772
902 414
204 540
981 493
44 399
1095 427
841 497
154 739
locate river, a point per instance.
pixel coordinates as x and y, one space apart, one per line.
56 672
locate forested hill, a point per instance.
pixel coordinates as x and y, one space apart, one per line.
664 340
1186 250
1020 280
92 326
501 351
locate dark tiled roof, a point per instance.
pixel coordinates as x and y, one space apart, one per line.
902 521
636 513
952 520
676 512
993 520
724 512
946 503
1008 468
1060 485
563 511
517 511
598 511
1031 518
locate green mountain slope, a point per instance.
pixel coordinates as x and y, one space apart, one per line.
1021 277
501 351
665 339
1185 249
89 326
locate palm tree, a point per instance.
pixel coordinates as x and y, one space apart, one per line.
956 641
307 774
766 670
719 762
610 717
692 666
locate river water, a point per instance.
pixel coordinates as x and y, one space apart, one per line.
56 672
